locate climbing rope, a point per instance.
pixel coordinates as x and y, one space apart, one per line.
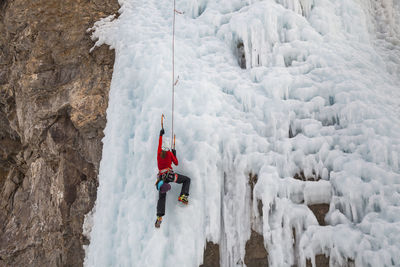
173 72
174 82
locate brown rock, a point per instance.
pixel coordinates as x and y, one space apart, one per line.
320 261
302 177
256 254
320 211
53 99
323 261
211 255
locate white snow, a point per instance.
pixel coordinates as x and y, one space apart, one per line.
320 95
317 192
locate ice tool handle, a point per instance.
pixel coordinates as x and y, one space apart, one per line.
162 120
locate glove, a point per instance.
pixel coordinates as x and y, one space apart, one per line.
162 132
174 152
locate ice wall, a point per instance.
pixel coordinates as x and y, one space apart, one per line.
383 18
317 97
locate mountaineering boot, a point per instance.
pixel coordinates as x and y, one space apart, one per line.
158 222
183 199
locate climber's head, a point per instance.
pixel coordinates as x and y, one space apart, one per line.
165 147
166 144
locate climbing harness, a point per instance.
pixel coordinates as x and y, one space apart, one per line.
166 175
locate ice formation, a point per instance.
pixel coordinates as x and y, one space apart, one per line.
273 88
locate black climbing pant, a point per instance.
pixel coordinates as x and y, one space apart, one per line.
182 179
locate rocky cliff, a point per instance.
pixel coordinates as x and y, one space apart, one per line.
53 99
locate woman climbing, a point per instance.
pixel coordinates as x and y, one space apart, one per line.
166 175
165 157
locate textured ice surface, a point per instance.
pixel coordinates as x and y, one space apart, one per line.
318 96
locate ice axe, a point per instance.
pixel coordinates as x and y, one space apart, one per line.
162 120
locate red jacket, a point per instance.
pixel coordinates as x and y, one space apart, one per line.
164 163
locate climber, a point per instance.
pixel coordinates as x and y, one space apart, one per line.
166 175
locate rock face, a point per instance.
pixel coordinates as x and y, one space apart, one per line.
211 255
53 99
256 254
